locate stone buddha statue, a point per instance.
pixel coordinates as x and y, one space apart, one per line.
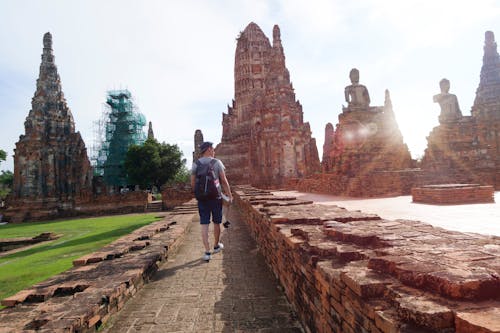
450 111
356 95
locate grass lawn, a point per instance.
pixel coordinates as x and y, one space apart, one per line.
22 269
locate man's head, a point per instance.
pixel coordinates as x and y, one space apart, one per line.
206 148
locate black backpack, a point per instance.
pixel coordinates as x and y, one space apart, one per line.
206 184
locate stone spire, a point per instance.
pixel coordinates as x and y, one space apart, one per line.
50 159
151 135
277 38
487 101
264 138
57 119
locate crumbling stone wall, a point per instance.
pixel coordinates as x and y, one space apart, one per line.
372 184
453 194
85 204
176 194
347 271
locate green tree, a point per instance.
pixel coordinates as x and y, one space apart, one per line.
152 163
6 178
3 155
6 181
182 176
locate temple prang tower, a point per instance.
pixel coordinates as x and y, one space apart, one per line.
265 140
51 166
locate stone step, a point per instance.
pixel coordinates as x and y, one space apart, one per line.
155 206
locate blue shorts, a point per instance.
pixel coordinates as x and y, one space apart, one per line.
210 207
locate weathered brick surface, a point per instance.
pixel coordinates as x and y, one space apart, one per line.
264 137
451 194
82 298
346 273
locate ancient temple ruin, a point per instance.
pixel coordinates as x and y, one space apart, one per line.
366 139
466 149
50 163
265 140
365 146
365 154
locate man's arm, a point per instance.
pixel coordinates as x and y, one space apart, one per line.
193 179
225 184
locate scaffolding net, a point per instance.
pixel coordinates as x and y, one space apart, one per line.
120 126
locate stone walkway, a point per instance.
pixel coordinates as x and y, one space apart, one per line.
234 292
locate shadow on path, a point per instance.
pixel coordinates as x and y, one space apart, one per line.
252 300
170 271
234 292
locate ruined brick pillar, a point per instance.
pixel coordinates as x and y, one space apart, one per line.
327 146
151 134
198 140
265 140
50 161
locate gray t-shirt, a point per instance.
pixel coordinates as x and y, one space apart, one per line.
218 166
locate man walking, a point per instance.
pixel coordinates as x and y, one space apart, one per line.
208 171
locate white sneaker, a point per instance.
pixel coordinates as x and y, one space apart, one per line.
219 247
206 256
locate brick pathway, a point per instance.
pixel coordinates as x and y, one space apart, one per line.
234 292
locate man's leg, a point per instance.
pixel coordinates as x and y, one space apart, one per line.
204 237
204 210
217 219
216 233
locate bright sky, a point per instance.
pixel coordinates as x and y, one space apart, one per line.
177 58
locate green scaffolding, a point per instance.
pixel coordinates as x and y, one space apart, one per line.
120 127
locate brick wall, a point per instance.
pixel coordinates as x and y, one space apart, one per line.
353 272
175 195
453 194
379 183
85 204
